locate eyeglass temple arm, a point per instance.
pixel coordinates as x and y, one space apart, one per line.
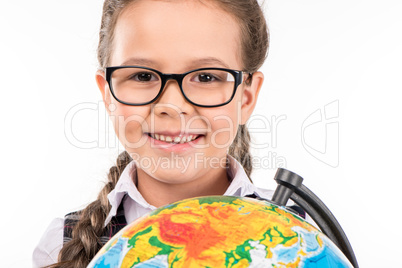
290 186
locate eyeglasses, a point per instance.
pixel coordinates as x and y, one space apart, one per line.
205 87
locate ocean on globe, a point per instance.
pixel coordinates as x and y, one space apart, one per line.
220 231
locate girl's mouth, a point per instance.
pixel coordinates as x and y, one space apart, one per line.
170 139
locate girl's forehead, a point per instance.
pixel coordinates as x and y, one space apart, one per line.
176 32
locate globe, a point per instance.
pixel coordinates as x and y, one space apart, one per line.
220 231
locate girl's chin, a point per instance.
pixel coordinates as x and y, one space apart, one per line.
173 176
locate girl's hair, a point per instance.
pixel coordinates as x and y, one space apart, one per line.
254 47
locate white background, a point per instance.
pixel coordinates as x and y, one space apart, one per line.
343 53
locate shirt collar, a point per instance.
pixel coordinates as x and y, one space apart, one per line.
239 186
125 186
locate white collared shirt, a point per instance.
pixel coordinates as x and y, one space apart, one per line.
135 206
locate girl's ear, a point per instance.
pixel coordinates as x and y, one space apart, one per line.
250 95
104 88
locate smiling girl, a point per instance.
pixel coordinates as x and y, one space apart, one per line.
179 80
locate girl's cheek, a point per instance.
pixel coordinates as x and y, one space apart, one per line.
225 125
132 130
128 125
223 133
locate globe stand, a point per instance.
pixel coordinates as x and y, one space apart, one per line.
290 187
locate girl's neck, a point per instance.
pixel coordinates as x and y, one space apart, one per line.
158 193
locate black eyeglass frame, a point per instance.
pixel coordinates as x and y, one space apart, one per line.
238 75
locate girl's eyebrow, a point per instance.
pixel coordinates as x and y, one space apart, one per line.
193 64
139 61
208 62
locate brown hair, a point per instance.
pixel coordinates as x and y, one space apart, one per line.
254 45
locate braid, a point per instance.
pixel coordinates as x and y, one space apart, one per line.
240 149
85 241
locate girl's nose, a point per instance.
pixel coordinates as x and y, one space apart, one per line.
172 102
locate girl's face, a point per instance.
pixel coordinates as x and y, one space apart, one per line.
176 37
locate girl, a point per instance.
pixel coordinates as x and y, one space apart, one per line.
179 79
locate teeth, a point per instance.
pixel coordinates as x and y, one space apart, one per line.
177 139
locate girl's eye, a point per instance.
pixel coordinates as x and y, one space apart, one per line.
144 77
204 78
